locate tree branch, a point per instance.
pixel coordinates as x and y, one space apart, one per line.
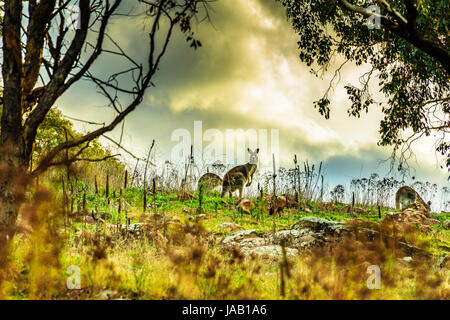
407 30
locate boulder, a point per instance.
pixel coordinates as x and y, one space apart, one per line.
407 259
417 207
230 226
244 240
236 237
250 243
298 239
133 229
411 217
89 220
277 204
425 228
246 205
187 211
319 225
107 294
307 210
271 251
432 221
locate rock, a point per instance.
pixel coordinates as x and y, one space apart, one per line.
277 204
107 294
133 229
246 205
272 251
89 220
425 228
432 221
417 207
230 226
298 239
244 240
249 243
446 224
407 259
291 212
239 236
319 225
411 217
307 210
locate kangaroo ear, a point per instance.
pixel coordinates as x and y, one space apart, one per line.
257 150
249 150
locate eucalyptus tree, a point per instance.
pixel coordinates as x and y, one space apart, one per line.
407 46
50 45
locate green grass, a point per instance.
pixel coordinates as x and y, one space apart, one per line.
140 269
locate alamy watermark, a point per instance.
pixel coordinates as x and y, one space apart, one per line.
228 146
374 280
74 279
374 21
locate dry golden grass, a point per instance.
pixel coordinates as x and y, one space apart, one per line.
176 260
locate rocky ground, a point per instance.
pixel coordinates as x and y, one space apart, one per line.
312 232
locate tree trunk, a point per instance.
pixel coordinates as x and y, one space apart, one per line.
13 181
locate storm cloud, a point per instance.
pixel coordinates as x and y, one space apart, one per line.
247 75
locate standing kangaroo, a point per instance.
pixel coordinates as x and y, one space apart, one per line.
406 196
240 175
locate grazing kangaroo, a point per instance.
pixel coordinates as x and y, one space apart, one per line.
406 196
210 181
240 175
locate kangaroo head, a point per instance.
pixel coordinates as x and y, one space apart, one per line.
253 156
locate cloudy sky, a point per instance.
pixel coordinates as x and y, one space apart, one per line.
246 75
